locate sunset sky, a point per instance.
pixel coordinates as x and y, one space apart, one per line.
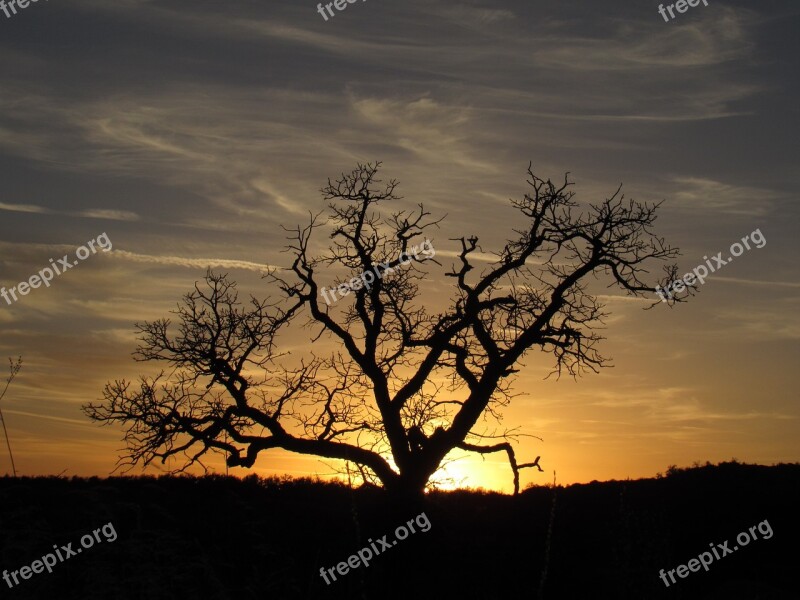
190 131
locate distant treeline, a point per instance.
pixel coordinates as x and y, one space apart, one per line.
222 537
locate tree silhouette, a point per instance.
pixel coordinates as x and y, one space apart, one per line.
408 386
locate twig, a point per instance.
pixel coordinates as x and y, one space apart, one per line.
15 367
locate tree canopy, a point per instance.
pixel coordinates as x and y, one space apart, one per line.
407 384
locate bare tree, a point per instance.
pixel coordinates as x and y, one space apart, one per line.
14 367
408 385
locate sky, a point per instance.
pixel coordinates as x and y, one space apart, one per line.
189 133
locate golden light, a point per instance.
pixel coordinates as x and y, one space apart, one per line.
469 471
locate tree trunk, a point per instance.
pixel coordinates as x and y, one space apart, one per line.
408 489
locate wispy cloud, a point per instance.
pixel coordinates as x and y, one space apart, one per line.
707 195
92 213
756 282
24 208
194 263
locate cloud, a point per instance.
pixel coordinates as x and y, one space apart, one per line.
92 213
194 263
711 39
109 214
760 324
708 195
81 423
25 208
756 282
434 132
677 405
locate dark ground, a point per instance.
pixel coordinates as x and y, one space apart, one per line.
225 538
